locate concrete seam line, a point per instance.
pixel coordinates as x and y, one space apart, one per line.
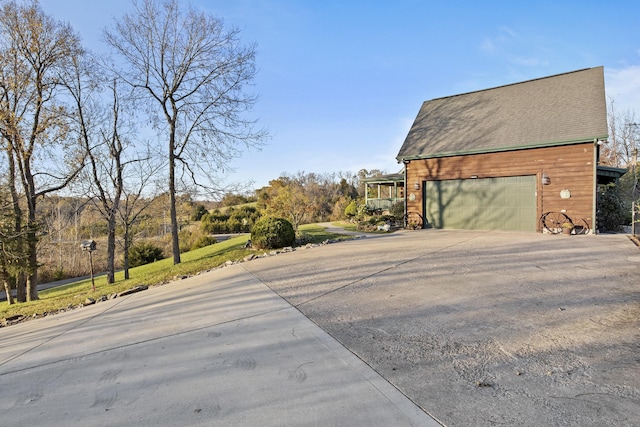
131 344
382 271
73 326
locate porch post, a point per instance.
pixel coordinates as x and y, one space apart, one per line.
406 163
366 194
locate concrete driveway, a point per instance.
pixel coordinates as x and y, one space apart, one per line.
467 328
483 328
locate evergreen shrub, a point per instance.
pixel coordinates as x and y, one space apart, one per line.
611 209
269 232
144 253
204 241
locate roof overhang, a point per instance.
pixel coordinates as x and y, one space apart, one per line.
385 179
611 172
590 140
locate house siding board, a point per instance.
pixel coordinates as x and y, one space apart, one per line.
568 166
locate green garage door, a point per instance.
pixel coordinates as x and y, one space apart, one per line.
507 203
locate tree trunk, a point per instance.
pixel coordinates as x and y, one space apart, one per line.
32 267
32 237
21 290
127 244
111 250
32 277
175 244
21 287
7 288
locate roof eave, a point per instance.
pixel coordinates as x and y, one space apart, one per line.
385 179
611 171
593 140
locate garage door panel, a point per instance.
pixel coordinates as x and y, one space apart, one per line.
506 203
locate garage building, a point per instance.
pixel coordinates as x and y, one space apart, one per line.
501 158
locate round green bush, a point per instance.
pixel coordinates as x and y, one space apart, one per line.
203 241
268 233
144 253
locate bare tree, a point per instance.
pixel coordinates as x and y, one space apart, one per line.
34 50
98 130
623 142
622 149
194 72
105 151
137 197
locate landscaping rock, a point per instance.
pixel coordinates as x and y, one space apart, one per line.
385 227
12 320
133 290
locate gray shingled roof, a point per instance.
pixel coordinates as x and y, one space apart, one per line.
556 110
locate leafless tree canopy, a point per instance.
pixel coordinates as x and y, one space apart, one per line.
197 73
192 74
624 138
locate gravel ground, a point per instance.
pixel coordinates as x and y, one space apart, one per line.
482 328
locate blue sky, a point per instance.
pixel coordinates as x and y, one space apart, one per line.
340 82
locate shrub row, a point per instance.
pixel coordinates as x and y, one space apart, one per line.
239 220
267 233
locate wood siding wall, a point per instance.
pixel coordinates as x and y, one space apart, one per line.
568 167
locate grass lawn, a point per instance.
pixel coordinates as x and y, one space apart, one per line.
349 226
159 272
